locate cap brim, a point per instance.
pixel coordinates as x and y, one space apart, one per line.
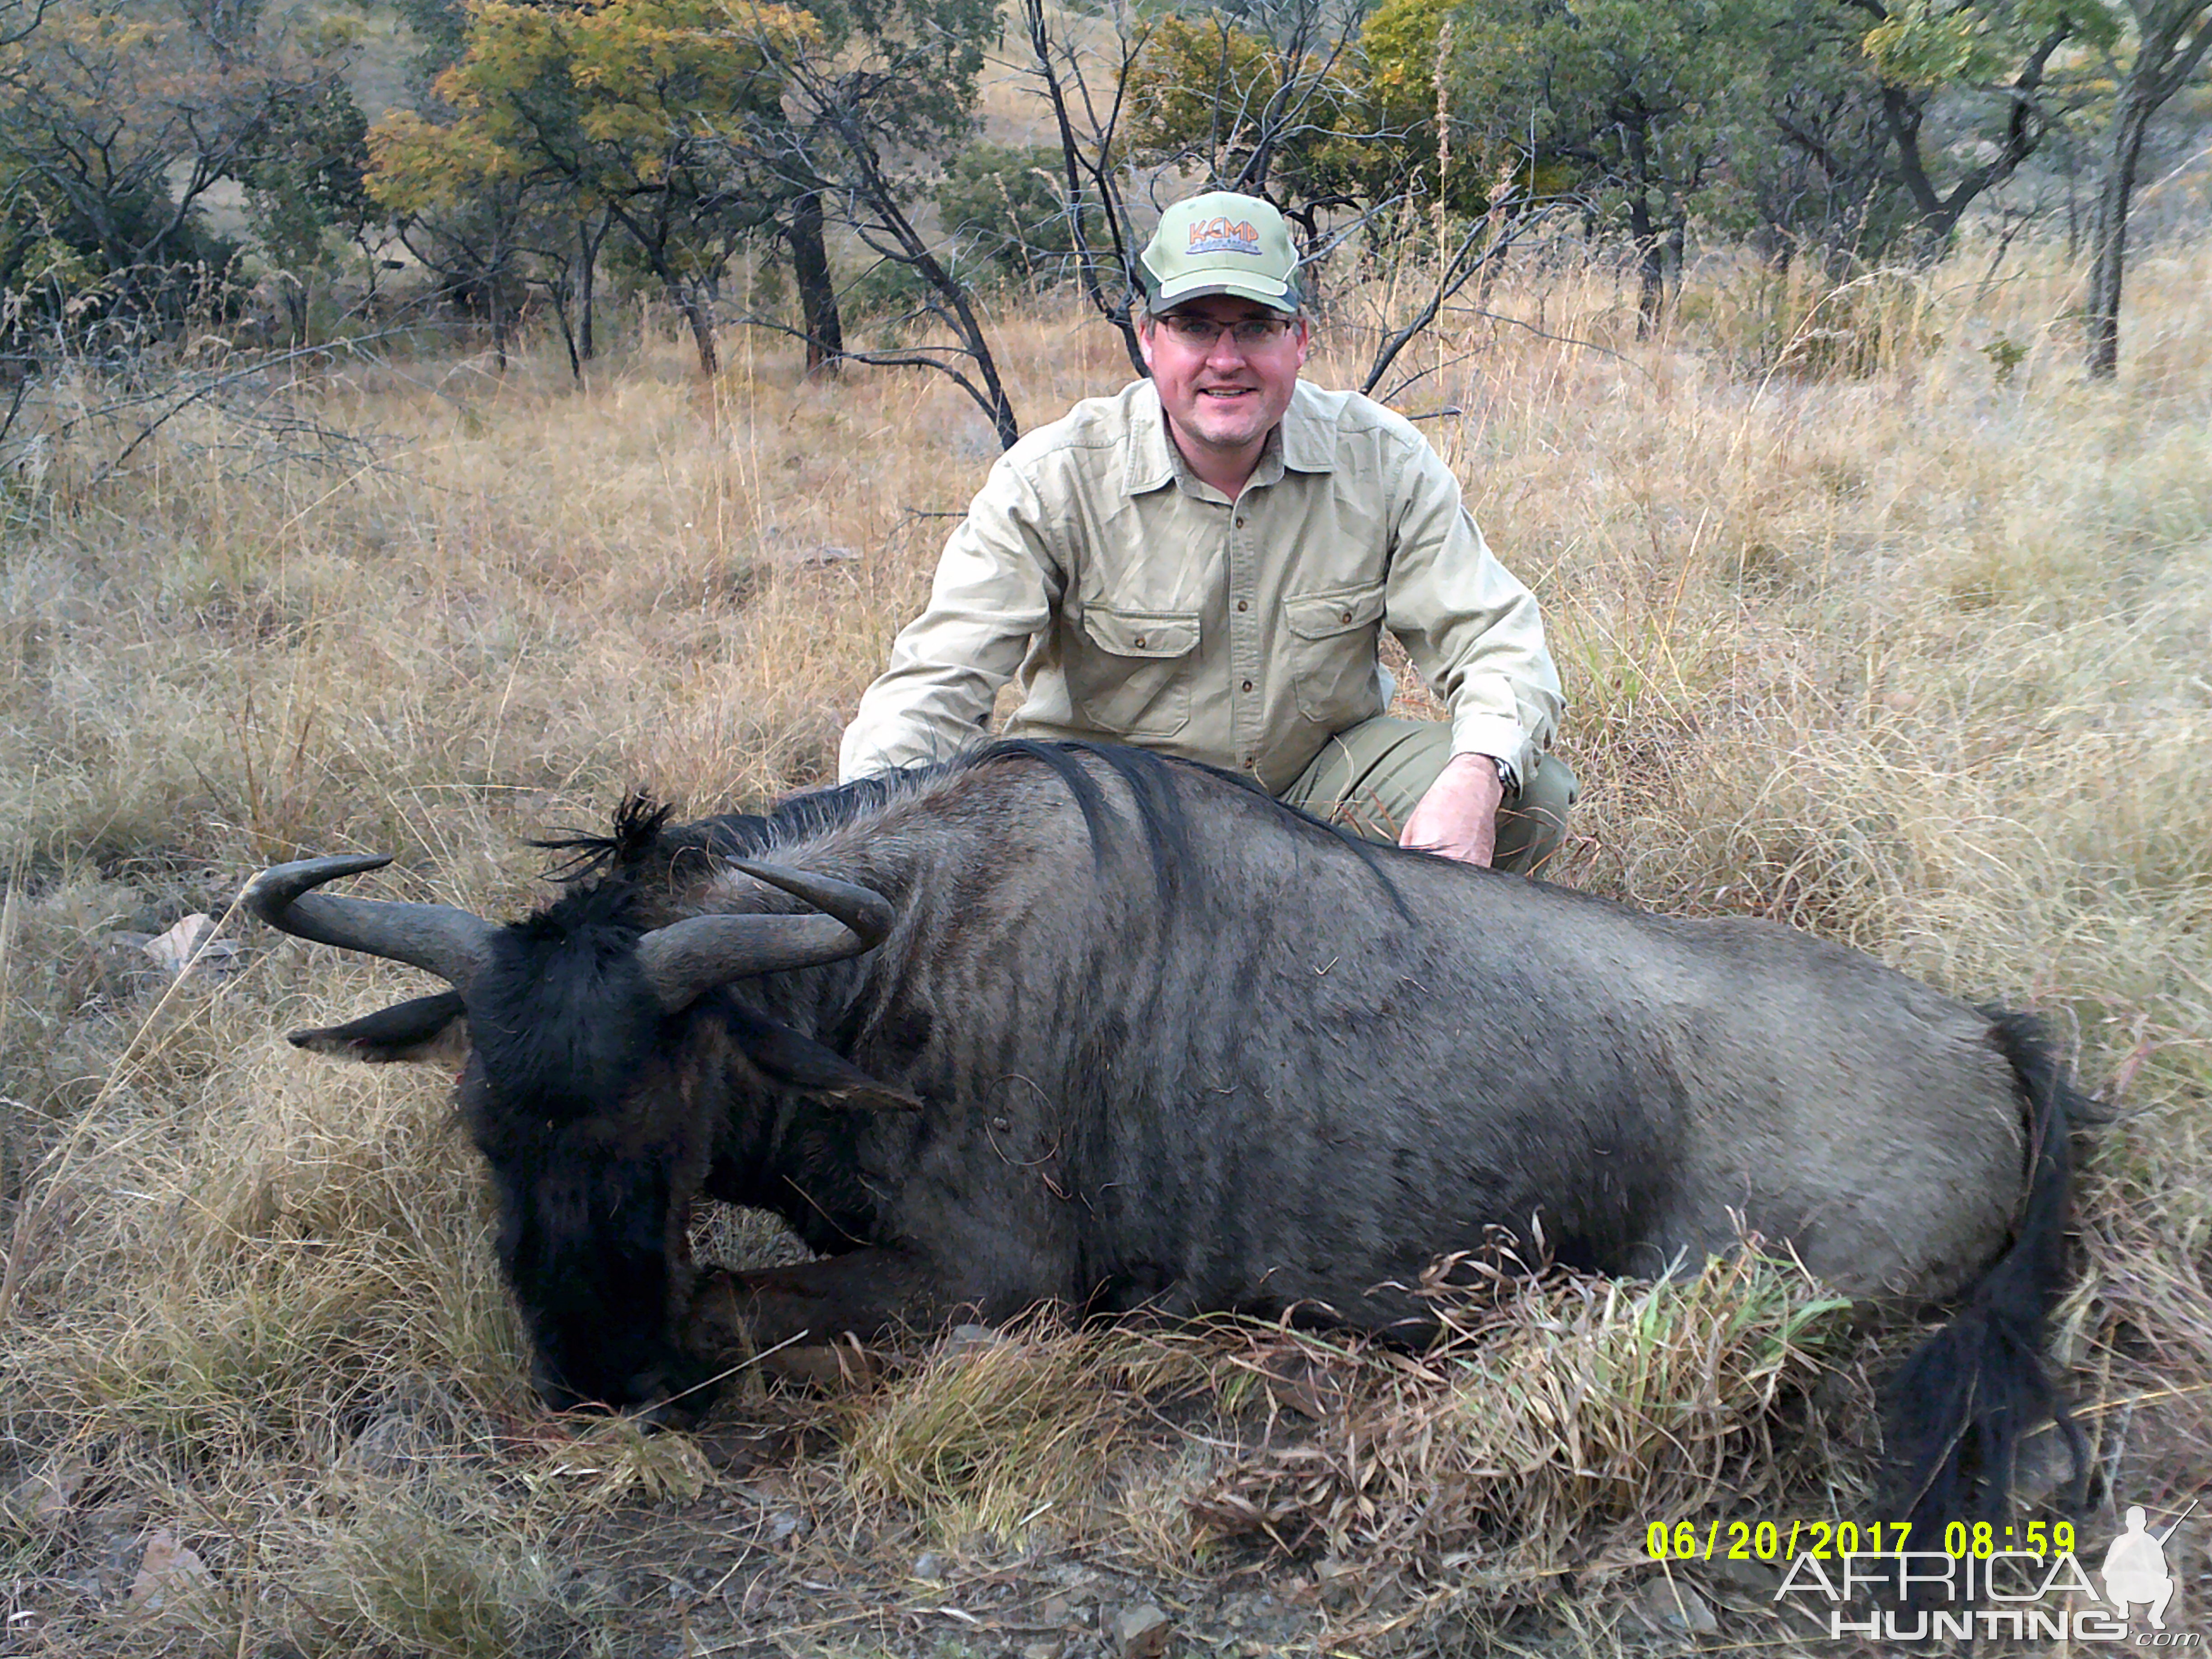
1203 284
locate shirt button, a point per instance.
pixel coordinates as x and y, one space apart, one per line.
1347 616
1241 605
1248 686
1141 638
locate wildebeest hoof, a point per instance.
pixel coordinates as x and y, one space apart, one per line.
824 1365
720 1325
681 1412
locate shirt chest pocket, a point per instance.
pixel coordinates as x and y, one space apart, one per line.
1330 652
1129 671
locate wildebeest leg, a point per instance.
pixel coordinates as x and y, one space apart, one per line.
862 1293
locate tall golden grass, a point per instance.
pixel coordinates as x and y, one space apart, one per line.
1874 617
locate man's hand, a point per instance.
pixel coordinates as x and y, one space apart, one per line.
1458 817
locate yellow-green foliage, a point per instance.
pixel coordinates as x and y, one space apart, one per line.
604 94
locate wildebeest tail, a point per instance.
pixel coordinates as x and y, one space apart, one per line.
1959 1409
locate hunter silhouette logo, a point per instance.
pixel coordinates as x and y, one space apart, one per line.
2136 1572
1220 234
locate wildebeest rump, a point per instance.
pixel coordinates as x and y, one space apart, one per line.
1087 1025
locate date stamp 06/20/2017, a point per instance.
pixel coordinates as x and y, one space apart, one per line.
1780 1542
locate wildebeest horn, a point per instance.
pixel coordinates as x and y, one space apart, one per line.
685 959
437 938
863 909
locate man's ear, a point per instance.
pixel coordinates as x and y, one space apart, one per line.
430 1030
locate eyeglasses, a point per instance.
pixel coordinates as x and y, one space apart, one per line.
1250 334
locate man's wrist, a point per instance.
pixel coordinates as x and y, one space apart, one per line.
1508 777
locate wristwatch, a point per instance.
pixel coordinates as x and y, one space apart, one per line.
1508 779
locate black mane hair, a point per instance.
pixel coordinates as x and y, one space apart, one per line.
642 833
638 823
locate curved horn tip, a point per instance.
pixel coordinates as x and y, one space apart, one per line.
285 882
862 908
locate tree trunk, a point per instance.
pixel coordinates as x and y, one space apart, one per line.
2109 253
554 292
1651 265
817 293
1652 258
702 324
588 240
2167 52
498 324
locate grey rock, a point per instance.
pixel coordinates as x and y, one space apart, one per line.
1142 1633
1668 1604
784 1526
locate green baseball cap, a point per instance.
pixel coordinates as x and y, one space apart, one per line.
1222 243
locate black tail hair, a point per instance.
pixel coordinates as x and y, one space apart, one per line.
1958 1407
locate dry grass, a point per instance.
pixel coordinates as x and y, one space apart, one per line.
992 1436
1914 656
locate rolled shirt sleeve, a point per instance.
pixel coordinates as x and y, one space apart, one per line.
997 586
1469 624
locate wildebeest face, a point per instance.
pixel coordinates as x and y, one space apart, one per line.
570 1030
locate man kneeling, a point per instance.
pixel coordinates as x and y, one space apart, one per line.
1201 564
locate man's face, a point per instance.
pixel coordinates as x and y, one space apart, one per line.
1222 397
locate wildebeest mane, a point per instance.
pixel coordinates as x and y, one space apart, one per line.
638 824
642 835
1154 783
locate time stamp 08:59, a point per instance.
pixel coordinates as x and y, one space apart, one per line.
1828 1540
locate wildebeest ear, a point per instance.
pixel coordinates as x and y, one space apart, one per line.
801 1063
427 1029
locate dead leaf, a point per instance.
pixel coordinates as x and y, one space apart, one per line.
167 1571
192 943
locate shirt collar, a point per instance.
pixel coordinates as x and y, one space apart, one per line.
1308 438
1152 452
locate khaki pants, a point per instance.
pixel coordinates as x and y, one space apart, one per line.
1370 778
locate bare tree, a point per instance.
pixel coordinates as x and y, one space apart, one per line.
18 17
1088 125
862 114
1272 111
114 131
2171 38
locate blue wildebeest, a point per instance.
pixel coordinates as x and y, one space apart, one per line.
1086 1026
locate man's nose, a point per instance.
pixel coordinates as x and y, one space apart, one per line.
1224 348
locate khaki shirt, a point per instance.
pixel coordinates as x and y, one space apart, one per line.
1142 606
